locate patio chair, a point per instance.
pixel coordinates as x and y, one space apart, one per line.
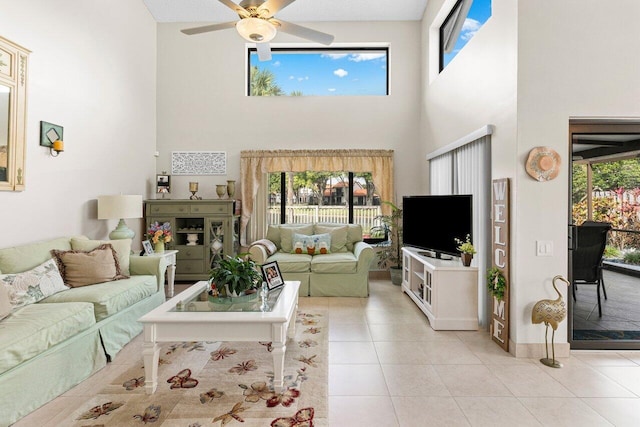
587 257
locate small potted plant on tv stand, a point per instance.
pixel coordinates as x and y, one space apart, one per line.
391 255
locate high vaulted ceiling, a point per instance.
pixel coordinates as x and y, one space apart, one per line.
300 10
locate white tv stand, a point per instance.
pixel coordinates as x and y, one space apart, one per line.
445 290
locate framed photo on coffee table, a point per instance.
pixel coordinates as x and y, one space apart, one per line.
272 275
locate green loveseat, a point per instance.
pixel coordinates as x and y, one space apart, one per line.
48 347
343 272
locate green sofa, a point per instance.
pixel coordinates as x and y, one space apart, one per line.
344 272
50 346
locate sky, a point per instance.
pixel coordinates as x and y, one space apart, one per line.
478 14
328 73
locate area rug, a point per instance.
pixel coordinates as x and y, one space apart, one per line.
218 384
594 334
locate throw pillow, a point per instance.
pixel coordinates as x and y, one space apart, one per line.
80 268
33 285
5 303
268 246
316 244
338 236
286 235
122 248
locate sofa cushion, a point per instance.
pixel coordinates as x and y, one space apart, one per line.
17 259
338 235
286 234
79 268
35 328
33 285
291 263
316 244
338 263
110 297
121 246
354 232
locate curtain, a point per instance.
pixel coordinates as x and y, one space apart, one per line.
441 174
473 176
256 164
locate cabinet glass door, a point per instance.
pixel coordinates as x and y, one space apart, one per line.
217 230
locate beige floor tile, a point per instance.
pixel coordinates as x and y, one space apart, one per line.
349 332
471 380
52 413
627 377
563 412
489 352
361 411
603 359
428 411
413 380
352 352
634 356
529 380
495 412
404 317
448 353
619 412
347 315
357 380
400 353
584 381
400 332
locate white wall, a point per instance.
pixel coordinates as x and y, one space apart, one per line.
531 67
202 103
585 63
93 71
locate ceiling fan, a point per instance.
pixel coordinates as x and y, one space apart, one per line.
257 24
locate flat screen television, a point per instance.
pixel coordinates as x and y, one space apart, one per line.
433 222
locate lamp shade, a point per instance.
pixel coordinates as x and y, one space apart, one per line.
256 30
120 206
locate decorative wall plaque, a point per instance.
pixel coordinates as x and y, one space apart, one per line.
500 259
199 163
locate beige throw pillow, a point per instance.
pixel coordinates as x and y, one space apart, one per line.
121 246
80 268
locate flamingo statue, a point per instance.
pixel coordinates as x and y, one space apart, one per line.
550 312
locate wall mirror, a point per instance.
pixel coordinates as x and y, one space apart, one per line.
13 115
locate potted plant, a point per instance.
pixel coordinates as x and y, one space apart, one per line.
159 234
234 277
391 255
496 283
466 250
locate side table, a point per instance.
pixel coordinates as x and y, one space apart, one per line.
170 256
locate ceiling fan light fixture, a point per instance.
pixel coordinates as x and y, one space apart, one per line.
256 30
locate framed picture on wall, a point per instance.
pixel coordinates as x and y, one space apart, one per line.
163 183
272 275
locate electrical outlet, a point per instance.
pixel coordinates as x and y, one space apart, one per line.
544 248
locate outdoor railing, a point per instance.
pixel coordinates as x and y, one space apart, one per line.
363 215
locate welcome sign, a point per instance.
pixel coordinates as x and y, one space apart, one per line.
500 254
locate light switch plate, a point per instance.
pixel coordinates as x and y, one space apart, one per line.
544 248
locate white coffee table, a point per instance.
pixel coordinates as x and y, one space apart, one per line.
187 318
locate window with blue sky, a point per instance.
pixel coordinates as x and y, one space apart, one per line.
319 72
464 21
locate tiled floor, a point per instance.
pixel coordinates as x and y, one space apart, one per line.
388 368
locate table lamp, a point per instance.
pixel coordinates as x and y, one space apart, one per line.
120 207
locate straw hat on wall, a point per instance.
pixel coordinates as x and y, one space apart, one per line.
543 164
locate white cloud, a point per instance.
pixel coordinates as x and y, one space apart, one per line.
334 55
303 78
359 57
340 72
291 77
276 64
469 28
331 89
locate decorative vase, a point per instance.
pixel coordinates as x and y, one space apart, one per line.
221 190
231 188
466 259
159 246
192 238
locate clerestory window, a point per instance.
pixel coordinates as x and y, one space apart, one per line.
319 72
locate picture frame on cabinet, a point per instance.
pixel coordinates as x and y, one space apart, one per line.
163 183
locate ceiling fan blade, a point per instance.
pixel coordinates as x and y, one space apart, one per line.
273 6
207 28
304 32
264 51
236 8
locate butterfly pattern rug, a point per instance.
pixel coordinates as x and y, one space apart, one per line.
221 384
